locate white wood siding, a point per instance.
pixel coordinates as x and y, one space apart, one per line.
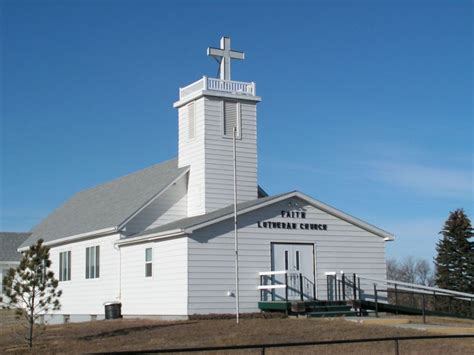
219 185
191 153
168 207
211 256
165 293
210 155
87 296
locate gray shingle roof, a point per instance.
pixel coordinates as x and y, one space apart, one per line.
189 222
9 243
107 205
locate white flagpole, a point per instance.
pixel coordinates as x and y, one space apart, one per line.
236 241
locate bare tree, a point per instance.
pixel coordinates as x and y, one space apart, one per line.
424 273
412 270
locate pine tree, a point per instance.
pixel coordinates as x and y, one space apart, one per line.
31 288
455 259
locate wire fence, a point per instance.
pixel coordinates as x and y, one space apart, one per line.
264 347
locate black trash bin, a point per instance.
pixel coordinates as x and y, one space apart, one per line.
113 310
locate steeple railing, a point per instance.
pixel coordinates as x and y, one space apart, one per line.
213 84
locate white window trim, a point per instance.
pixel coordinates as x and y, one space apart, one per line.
67 269
95 277
149 262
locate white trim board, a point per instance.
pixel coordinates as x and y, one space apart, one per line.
76 237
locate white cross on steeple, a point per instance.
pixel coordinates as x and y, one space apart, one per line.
224 55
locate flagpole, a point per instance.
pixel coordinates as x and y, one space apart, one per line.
236 241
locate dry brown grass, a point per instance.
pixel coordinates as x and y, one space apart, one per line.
454 322
126 335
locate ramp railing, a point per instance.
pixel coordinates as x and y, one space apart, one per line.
427 299
295 285
397 296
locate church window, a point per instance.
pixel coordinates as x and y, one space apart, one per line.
65 266
231 118
148 262
191 121
92 262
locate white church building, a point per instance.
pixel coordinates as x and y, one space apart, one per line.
161 240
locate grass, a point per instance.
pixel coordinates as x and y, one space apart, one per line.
454 322
126 335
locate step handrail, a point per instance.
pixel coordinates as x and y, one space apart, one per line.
281 272
271 287
434 289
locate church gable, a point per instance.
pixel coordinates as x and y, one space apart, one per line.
267 211
299 216
169 206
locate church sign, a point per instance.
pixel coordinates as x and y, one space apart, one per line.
292 225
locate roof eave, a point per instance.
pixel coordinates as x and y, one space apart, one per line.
151 237
76 237
348 218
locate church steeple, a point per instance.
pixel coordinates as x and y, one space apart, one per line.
208 111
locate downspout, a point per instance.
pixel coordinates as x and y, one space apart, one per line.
117 247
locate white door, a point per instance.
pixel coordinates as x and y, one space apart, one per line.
298 260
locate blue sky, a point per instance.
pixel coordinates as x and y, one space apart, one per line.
367 105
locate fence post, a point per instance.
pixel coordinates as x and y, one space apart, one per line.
286 293
314 291
434 300
472 308
354 287
327 287
343 287
301 287
360 291
338 290
397 350
335 288
261 291
376 301
424 311
396 296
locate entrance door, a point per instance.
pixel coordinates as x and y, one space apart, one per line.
297 259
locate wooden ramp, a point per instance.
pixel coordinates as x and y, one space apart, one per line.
319 309
398 309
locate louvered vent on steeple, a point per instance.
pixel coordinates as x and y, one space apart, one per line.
231 118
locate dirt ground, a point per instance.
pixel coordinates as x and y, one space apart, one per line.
128 335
